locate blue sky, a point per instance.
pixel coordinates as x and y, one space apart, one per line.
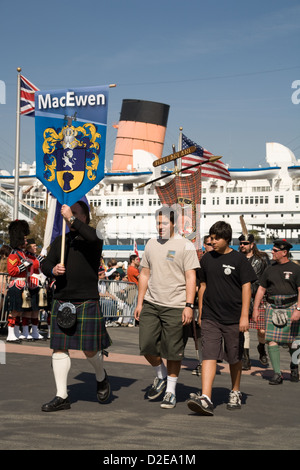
224 67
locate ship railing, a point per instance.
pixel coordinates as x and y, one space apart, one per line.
118 300
23 208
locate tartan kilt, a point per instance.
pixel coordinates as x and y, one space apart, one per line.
88 334
286 334
260 324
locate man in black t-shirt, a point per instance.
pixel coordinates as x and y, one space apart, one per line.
281 283
224 300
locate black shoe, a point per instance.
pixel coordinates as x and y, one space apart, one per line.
103 390
57 404
295 375
197 370
277 379
262 354
246 363
200 404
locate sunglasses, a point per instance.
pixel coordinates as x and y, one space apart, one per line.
277 249
244 243
208 244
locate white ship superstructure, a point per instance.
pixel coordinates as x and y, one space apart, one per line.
268 197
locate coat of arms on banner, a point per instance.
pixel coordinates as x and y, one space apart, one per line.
70 133
71 155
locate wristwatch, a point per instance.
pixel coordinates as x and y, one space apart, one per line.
71 219
189 305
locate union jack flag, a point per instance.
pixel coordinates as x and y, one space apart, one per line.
210 169
27 90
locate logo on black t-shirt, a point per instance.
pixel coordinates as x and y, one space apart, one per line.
227 269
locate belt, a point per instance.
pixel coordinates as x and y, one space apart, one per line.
282 302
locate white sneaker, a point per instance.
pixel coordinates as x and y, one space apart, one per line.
235 401
169 401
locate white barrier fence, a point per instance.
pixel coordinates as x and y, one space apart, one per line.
118 299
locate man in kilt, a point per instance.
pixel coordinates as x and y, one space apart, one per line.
281 284
259 262
76 319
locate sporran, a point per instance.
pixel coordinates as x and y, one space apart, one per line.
66 316
279 317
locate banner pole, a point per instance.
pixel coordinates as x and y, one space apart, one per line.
17 155
63 242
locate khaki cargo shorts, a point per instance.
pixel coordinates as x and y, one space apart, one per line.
161 331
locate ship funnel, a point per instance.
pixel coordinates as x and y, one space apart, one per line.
142 126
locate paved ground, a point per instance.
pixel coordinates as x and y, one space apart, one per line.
269 418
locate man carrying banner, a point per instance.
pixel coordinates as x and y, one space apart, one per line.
167 286
76 320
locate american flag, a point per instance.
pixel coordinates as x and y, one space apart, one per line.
210 170
27 90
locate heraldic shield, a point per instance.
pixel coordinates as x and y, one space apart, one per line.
70 170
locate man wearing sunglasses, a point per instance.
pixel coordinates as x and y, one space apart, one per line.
259 262
281 284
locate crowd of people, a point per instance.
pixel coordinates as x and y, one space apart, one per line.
231 291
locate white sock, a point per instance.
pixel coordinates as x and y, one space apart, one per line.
203 395
97 363
247 340
171 384
61 364
161 371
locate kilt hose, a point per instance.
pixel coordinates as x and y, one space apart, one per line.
286 334
88 334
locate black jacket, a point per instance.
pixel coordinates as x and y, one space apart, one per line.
82 258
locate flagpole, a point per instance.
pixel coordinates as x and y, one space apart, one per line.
180 146
180 139
17 155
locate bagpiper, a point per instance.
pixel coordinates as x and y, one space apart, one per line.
17 265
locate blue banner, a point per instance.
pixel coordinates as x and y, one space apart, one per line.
70 128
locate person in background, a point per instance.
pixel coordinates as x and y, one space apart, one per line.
31 314
17 265
4 253
133 269
207 244
280 282
259 262
197 371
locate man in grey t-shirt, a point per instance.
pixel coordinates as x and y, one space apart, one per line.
167 286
